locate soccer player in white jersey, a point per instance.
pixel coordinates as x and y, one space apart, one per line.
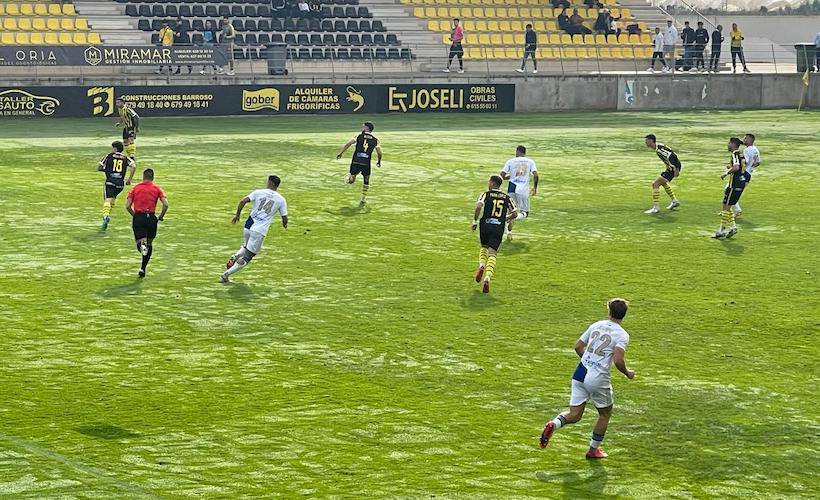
752 156
517 171
266 204
602 345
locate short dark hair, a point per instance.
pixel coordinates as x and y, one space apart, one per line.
370 126
456 19
118 145
521 149
686 22
700 23
617 307
496 179
652 137
148 173
751 135
528 26
735 141
275 180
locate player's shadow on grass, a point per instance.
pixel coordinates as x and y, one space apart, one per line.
121 290
479 300
105 431
349 211
515 247
732 247
574 485
243 291
90 237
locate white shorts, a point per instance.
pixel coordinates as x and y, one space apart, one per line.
600 395
522 200
253 241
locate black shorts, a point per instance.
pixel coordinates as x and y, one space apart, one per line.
358 168
529 50
668 175
456 49
144 226
112 191
731 195
129 133
491 234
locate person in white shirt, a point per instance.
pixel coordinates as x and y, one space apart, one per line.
752 156
658 52
602 345
266 204
670 38
518 171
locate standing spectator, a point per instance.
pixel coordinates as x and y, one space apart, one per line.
817 51
530 46
602 22
563 21
181 38
736 47
577 24
209 40
658 52
228 37
701 39
456 49
670 39
714 56
688 38
166 38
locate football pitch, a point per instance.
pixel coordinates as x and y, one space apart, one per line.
356 356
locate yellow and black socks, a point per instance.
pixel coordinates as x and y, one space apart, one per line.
668 189
727 218
106 208
656 196
365 189
131 151
490 269
482 257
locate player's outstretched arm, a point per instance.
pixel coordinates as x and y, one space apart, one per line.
618 357
344 148
244 201
164 202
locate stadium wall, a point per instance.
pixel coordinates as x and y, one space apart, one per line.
543 94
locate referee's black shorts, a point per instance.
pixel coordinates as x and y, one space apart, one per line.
144 225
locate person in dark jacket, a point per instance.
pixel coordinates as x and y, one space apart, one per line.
563 21
209 38
714 56
181 38
530 46
602 22
688 38
701 39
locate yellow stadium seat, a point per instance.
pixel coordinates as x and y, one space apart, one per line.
41 9
544 53
507 39
495 39
589 39
615 12
513 13
54 10
519 39
604 53
501 13
418 11
524 13
626 13
617 53
442 13
454 13
7 38
551 26
490 13
478 13
430 12
81 24
445 39
484 39
499 53
566 39
504 26
10 24
475 53
26 9
537 13
628 53
554 39
472 39
94 38
38 24
21 38
24 24
645 39
466 12
623 38
516 26
2 10
12 9
65 39
599 40
481 25
80 38
37 39
67 24
493 26
634 39
469 25
612 40
51 39
53 24
539 26
68 9
569 53
578 39
432 25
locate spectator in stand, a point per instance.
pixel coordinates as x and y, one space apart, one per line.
228 37
736 47
279 6
563 21
316 8
304 9
530 46
559 4
166 38
714 55
209 40
670 39
181 38
602 22
688 38
817 51
577 24
456 49
701 39
614 26
658 52
633 29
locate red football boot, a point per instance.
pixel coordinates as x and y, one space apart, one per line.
597 453
479 274
544 440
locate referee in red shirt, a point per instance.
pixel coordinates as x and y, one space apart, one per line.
142 205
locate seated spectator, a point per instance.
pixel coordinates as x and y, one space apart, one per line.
316 8
563 21
577 24
614 26
633 29
602 22
304 8
560 4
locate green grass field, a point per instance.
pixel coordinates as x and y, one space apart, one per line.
356 357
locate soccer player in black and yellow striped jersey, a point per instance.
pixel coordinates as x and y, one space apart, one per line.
673 166
736 172
493 210
129 121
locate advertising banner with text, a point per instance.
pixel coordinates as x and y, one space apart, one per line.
222 100
93 55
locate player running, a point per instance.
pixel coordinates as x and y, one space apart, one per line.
266 203
365 143
495 208
142 205
114 166
736 172
602 345
517 171
673 166
752 156
129 120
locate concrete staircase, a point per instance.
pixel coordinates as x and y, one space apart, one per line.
109 20
412 31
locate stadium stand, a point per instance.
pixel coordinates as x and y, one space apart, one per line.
342 30
44 23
